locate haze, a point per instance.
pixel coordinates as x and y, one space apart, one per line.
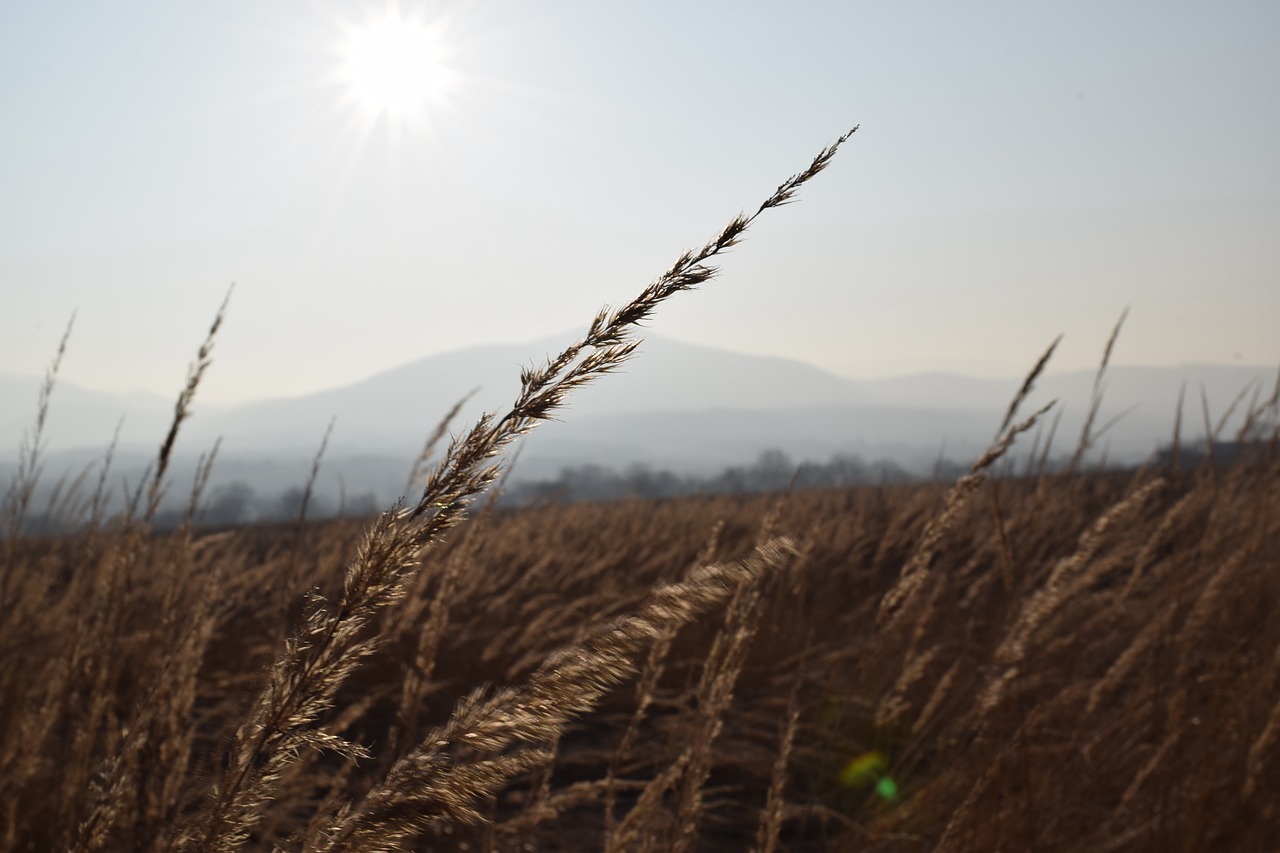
1022 170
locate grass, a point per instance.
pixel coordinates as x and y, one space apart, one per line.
1078 660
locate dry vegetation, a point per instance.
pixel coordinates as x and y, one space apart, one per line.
1062 661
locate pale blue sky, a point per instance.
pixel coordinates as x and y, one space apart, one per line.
1023 169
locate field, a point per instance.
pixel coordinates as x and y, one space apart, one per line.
1029 658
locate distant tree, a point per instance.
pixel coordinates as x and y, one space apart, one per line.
641 481
288 506
590 482
945 470
847 470
773 470
362 506
886 471
229 505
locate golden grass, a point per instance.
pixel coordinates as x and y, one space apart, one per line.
1125 703
1070 661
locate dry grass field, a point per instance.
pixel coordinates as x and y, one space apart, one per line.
1026 659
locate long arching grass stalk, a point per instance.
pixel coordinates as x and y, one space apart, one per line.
317 659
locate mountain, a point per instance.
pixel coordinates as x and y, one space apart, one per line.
396 409
1152 389
679 406
80 417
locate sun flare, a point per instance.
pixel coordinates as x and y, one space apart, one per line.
394 66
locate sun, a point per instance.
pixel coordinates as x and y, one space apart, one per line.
394 67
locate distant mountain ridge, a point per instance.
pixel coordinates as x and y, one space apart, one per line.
79 417
675 404
404 403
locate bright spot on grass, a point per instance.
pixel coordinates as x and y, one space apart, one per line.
868 771
864 770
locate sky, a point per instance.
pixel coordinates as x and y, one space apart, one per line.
1021 170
